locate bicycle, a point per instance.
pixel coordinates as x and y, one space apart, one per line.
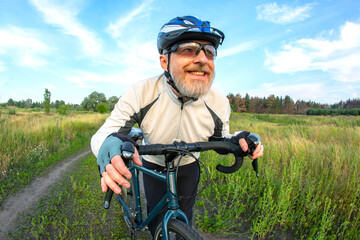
175 223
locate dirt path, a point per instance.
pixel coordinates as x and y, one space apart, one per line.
22 200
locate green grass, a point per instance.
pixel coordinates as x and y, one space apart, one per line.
73 210
308 187
30 143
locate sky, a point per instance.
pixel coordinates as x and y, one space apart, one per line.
308 50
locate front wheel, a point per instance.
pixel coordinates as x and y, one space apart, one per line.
178 230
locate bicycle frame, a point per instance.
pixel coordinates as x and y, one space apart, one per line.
169 199
171 152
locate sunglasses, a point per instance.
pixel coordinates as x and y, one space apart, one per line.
192 49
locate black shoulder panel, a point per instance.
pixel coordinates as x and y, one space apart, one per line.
136 118
218 125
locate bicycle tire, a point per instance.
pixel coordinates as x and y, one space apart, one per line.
178 230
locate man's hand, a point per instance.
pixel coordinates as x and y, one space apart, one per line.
117 173
259 150
241 138
112 167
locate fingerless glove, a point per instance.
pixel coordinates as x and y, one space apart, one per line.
110 147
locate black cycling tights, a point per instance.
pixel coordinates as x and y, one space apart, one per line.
187 181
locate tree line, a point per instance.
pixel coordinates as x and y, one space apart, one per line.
96 102
272 104
279 105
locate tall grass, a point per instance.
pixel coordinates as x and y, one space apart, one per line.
308 186
28 140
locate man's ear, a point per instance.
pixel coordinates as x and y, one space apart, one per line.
164 62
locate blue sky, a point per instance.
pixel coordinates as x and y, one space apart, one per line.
309 50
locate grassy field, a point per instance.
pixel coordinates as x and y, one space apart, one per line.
30 142
308 186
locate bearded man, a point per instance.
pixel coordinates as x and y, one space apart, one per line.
179 105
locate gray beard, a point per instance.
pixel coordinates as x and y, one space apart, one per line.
197 90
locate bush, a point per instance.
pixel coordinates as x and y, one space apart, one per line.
102 108
333 112
11 111
63 109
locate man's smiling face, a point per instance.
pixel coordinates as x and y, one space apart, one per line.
192 76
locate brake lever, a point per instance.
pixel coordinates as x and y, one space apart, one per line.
107 199
252 146
254 163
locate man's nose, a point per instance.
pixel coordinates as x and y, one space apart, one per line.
201 57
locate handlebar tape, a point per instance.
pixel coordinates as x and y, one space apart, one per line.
231 169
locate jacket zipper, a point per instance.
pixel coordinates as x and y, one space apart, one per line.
181 110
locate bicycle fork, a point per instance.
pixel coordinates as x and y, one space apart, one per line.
173 204
170 199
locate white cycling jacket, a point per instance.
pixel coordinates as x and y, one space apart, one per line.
163 118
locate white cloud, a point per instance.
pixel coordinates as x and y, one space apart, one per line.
115 29
242 47
283 14
23 46
137 55
340 58
63 16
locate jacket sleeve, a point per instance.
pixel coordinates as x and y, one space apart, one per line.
120 121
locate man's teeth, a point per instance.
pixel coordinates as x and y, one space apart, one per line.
198 73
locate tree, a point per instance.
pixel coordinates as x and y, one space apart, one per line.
46 103
270 104
300 107
91 101
231 98
289 106
102 108
278 104
239 103
247 102
28 103
63 109
111 102
11 102
254 106
59 104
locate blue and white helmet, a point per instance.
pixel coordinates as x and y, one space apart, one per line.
187 28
